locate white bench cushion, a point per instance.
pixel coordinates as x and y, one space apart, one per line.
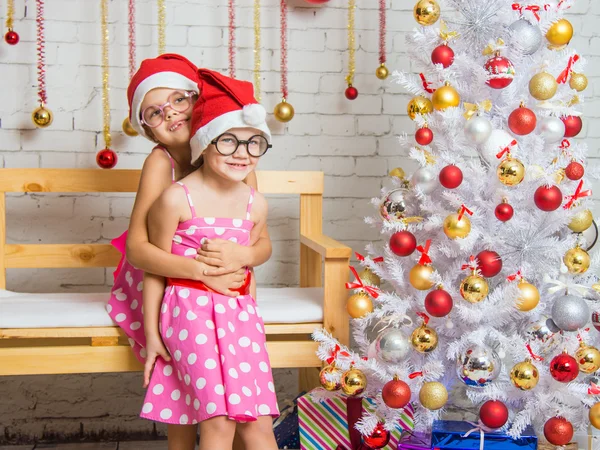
21 310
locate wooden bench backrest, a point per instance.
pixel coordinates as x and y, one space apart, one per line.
309 185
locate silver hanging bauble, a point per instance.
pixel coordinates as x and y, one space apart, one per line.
393 206
526 36
541 334
478 129
426 179
570 313
392 346
478 366
552 129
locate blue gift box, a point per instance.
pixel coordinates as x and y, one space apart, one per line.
285 427
450 434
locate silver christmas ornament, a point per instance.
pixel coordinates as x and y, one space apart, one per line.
498 140
478 129
570 313
424 178
542 335
393 206
552 129
526 36
392 346
478 366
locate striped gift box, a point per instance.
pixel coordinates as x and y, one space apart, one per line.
324 423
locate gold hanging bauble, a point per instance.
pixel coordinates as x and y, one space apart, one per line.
369 277
359 305
581 221
510 171
424 339
433 395
577 260
354 382
127 128
524 375
42 117
595 415
426 12
529 296
542 86
457 229
445 97
284 112
578 81
559 34
332 371
474 288
419 277
382 72
588 358
419 105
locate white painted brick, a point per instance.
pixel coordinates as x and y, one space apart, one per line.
338 125
339 166
305 124
370 167
313 40
21 159
373 125
51 140
10 140
58 160
207 37
121 206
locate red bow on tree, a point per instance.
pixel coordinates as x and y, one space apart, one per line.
533 8
425 259
358 284
336 351
362 258
577 195
506 149
564 75
463 210
426 84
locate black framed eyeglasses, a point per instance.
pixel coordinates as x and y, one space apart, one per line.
227 144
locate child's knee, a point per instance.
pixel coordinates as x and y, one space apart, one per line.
261 427
218 426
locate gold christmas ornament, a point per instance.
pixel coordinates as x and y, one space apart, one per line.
588 358
511 171
334 372
354 382
419 105
474 288
581 221
128 129
42 117
455 228
577 260
426 12
524 375
595 415
559 34
445 97
382 72
369 277
359 305
542 86
424 339
433 395
284 112
529 297
419 277
578 81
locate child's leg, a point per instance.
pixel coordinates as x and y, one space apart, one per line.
258 435
182 437
216 433
253 284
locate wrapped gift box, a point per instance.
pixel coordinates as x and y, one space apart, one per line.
449 434
415 440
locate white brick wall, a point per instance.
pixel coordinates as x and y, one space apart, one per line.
352 142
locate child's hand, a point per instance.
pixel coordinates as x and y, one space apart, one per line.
224 256
224 283
155 348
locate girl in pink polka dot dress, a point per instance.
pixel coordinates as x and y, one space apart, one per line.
207 360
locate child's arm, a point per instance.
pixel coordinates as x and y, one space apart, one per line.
154 287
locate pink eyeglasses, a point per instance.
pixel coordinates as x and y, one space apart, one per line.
154 115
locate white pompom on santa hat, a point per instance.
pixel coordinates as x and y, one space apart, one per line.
225 103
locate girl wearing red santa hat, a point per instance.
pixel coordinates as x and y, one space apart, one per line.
207 359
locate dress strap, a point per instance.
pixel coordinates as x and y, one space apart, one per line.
172 162
250 201
189 199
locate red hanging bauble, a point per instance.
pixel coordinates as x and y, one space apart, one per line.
564 368
501 72
424 136
443 55
403 243
106 158
522 120
490 263
558 431
379 438
573 125
11 37
574 171
351 93
396 393
504 211
438 303
451 177
548 198
493 414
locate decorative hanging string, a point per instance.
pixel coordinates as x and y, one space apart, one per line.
564 75
162 22
351 43
283 65
11 37
105 87
257 50
41 53
426 84
231 7
131 21
506 150
463 210
382 29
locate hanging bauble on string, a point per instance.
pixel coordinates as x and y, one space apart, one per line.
424 339
392 346
581 221
283 112
504 211
132 46
354 382
552 129
474 288
424 178
379 437
524 375
578 81
396 393
106 158
478 366
548 198
330 377
478 129
424 135
573 125
526 36
438 303
588 358
529 297
542 86
443 55
574 171
445 97
457 226
433 395
493 414
558 431
594 415
451 177
564 368
489 263
370 278
359 305
393 206
559 34
419 105
577 260
127 128
382 72
510 171
570 313
499 139
351 92
501 71
403 243
522 120
42 117
420 277
11 37
426 12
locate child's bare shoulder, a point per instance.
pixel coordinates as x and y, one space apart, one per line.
260 207
173 197
157 163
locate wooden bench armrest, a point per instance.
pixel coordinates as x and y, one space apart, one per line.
325 246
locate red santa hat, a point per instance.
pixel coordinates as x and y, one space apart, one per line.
169 71
225 104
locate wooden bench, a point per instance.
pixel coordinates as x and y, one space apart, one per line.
58 350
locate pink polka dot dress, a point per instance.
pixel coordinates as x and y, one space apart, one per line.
219 363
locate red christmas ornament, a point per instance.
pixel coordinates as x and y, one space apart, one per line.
424 136
573 125
504 212
493 414
438 303
490 263
379 438
403 243
564 368
501 72
11 37
574 171
558 431
396 393
451 177
106 159
548 198
522 121
443 55
351 93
